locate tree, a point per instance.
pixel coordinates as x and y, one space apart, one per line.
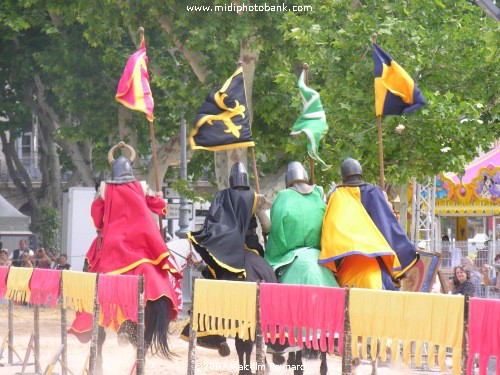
72 55
48 227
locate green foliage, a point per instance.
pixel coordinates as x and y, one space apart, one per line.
47 227
450 48
186 189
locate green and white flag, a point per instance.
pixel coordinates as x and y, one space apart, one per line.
312 121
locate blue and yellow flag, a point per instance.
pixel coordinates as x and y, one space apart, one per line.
395 91
312 121
222 122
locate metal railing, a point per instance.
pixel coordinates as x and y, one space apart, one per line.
33 171
480 253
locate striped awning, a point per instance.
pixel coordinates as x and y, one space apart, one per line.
456 209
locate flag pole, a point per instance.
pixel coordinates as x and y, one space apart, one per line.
311 160
254 165
153 150
252 151
380 145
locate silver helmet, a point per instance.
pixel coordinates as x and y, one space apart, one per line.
121 168
239 176
295 173
352 173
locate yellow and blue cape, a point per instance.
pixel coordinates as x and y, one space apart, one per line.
362 241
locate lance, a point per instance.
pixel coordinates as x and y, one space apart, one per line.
380 145
311 160
153 151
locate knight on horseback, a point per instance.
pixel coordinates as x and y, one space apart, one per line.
295 239
229 246
362 241
130 243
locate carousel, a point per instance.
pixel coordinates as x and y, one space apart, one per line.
468 208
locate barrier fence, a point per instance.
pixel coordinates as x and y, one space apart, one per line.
105 296
409 323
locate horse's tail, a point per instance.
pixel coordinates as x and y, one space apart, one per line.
157 319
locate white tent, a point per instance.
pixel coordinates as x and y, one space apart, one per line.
14 226
11 219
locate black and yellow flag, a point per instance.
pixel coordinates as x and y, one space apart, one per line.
223 122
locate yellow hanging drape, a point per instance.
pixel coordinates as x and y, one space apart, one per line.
18 284
233 301
79 290
404 316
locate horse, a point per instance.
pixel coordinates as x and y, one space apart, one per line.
257 269
156 317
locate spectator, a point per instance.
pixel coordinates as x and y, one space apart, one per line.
63 263
25 260
52 256
462 282
475 277
451 285
16 254
4 258
493 281
41 259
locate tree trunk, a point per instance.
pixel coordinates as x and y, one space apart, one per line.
194 58
125 133
54 188
50 119
403 211
16 169
225 159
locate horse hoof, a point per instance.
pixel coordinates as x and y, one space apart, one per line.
122 338
224 350
278 359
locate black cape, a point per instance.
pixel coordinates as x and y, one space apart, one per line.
221 241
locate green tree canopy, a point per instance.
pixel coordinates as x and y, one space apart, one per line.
62 61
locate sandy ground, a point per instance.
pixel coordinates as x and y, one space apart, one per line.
120 360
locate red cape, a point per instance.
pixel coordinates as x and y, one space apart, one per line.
130 243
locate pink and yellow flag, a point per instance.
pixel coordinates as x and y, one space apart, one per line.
133 89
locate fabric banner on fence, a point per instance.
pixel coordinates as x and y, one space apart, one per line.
233 301
45 287
315 308
401 316
484 334
79 290
118 297
4 272
18 284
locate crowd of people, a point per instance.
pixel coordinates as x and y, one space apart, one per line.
467 280
43 257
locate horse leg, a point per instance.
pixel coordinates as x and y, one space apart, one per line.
127 334
291 359
240 350
298 368
323 369
375 360
278 359
101 337
248 353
